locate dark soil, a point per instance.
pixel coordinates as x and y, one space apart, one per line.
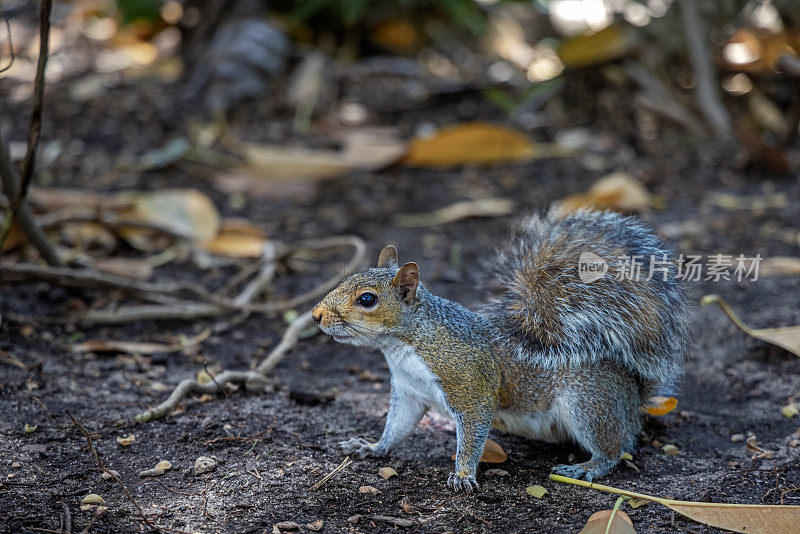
272 445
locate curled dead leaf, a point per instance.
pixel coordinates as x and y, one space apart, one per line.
237 238
787 337
661 405
368 490
93 498
609 522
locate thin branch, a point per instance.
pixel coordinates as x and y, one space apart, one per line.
35 128
258 376
704 73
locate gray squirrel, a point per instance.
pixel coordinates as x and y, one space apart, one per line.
551 357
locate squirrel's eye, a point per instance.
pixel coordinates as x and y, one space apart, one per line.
367 300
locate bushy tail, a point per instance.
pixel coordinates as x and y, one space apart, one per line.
556 315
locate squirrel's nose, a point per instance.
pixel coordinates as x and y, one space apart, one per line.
316 313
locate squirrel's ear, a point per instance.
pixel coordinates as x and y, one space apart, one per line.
406 281
388 257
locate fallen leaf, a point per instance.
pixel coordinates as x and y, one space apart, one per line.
787 337
184 212
617 191
609 522
139 347
387 473
747 518
127 440
661 405
492 453
637 503
476 143
369 490
485 207
789 411
593 49
237 238
625 456
536 491
93 498
29 429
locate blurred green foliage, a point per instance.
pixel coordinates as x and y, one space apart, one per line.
135 10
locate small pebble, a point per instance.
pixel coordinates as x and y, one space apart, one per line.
164 465
106 476
371 490
289 526
793 443
737 438
670 450
315 526
354 518
207 422
17 465
204 464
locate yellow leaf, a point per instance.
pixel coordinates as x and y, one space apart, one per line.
536 491
587 50
599 523
164 465
788 411
237 238
30 428
476 143
617 191
127 440
661 405
787 337
747 518
93 498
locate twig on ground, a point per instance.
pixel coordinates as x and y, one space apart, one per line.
211 305
705 76
17 189
347 461
111 473
258 376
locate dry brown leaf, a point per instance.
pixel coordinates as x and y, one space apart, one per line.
598 523
485 207
237 238
747 518
185 212
127 440
616 191
387 473
586 50
661 405
492 453
138 347
476 143
130 267
787 337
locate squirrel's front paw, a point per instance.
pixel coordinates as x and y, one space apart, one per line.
359 448
586 470
459 483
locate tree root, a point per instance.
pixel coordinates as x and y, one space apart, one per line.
255 377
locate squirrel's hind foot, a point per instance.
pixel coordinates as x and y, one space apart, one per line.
587 470
359 448
457 483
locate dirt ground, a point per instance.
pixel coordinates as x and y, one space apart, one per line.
271 446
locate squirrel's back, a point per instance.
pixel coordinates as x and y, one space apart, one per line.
555 317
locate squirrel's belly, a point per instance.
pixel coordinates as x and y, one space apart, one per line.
413 377
543 426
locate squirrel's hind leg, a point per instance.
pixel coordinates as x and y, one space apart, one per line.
600 407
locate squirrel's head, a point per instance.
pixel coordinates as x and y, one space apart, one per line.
366 305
